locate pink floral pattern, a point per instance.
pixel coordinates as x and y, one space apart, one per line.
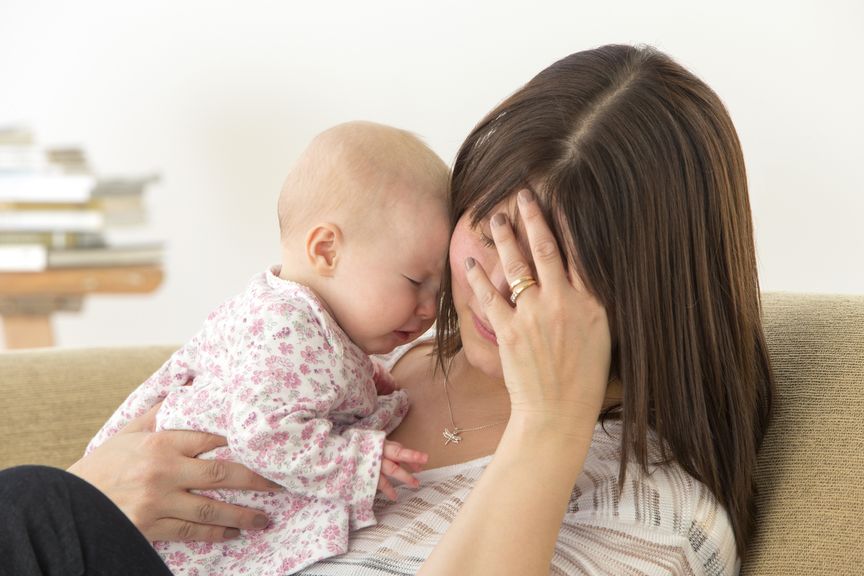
272 372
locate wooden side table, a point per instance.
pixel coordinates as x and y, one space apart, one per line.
29 299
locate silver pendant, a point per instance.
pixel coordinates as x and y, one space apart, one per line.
451 436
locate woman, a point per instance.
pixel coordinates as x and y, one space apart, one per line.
599 332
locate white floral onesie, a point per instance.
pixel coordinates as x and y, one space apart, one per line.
273 373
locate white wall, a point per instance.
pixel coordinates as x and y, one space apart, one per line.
219 97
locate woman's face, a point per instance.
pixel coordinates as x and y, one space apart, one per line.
478 338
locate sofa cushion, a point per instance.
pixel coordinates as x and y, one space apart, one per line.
811 491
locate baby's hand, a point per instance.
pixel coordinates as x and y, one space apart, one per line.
384 382
394 455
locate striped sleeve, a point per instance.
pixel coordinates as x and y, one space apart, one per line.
664 522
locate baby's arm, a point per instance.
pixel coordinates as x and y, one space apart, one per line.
279 427
285 385
394 454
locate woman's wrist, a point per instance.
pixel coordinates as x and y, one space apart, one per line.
563 423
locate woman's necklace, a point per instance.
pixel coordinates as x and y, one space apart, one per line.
454 436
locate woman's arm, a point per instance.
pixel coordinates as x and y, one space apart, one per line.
510 522
555 352
148 475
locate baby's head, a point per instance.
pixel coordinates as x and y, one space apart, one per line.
364 222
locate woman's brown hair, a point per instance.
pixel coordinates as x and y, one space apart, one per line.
639 170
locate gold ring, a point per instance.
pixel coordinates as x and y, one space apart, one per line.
521 287
519 280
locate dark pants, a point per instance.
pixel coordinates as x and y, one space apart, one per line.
53 523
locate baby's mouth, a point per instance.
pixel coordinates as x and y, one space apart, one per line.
405 335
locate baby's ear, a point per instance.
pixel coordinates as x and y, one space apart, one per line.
323 243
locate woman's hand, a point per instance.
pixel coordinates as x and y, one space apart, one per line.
554 343
555 353
148 475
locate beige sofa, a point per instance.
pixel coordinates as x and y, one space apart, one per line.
811 501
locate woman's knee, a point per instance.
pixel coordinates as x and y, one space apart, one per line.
22 485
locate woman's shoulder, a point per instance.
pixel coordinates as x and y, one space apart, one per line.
663 517
411 364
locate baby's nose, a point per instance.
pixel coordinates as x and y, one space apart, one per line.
426 306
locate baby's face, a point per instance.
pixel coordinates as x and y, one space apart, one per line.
389 282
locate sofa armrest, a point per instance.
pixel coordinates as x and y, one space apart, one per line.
55 400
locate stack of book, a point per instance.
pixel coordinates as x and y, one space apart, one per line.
55 213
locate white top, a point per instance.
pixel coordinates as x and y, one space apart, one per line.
662 523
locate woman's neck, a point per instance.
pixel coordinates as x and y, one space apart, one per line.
476 398
472 386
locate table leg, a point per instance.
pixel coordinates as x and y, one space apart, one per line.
28 331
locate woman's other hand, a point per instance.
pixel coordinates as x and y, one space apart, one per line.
554 342
148 475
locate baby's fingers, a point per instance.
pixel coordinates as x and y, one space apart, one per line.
398 453
392 470
386 488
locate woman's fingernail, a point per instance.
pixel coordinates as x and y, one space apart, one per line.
231 533
469 263
499 219
525 196
260 521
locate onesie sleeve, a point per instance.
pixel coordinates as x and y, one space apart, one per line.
285 384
